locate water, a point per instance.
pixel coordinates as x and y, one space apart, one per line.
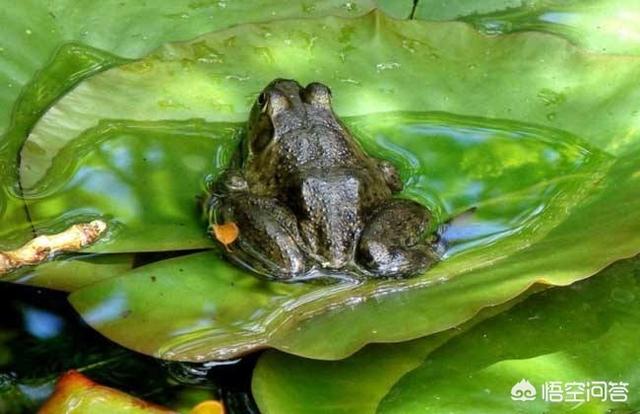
70 65
144 177
30 362
491 179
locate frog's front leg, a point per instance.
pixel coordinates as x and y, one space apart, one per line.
268 240
394 242
391 175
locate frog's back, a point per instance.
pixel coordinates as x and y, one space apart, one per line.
331 205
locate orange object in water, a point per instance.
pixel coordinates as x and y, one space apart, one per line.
75 393
226 233
208 407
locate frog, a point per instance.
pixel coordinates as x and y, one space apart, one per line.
305 199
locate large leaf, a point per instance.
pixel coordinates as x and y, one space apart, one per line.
541 194
355 385
586 332
604 26
549 82
230 312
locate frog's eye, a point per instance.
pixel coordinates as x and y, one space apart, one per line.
262 99
317 94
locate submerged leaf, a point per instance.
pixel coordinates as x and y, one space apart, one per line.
71 64
143 178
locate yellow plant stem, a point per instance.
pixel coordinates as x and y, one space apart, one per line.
44 247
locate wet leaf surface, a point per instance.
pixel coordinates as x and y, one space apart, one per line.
35 29
230 312
560 170
144 178
338 386
71 273
602 26
584 333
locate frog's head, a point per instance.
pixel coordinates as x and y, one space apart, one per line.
283 106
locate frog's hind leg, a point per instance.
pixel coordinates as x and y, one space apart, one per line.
394 242
268 241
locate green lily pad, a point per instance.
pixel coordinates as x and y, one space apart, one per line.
338 386
583 333
224 302
13 213
209 78
354 385
71 64
603 26
541 193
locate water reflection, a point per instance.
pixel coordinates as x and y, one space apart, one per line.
142 177
196 374
42 324
108 310
510 173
